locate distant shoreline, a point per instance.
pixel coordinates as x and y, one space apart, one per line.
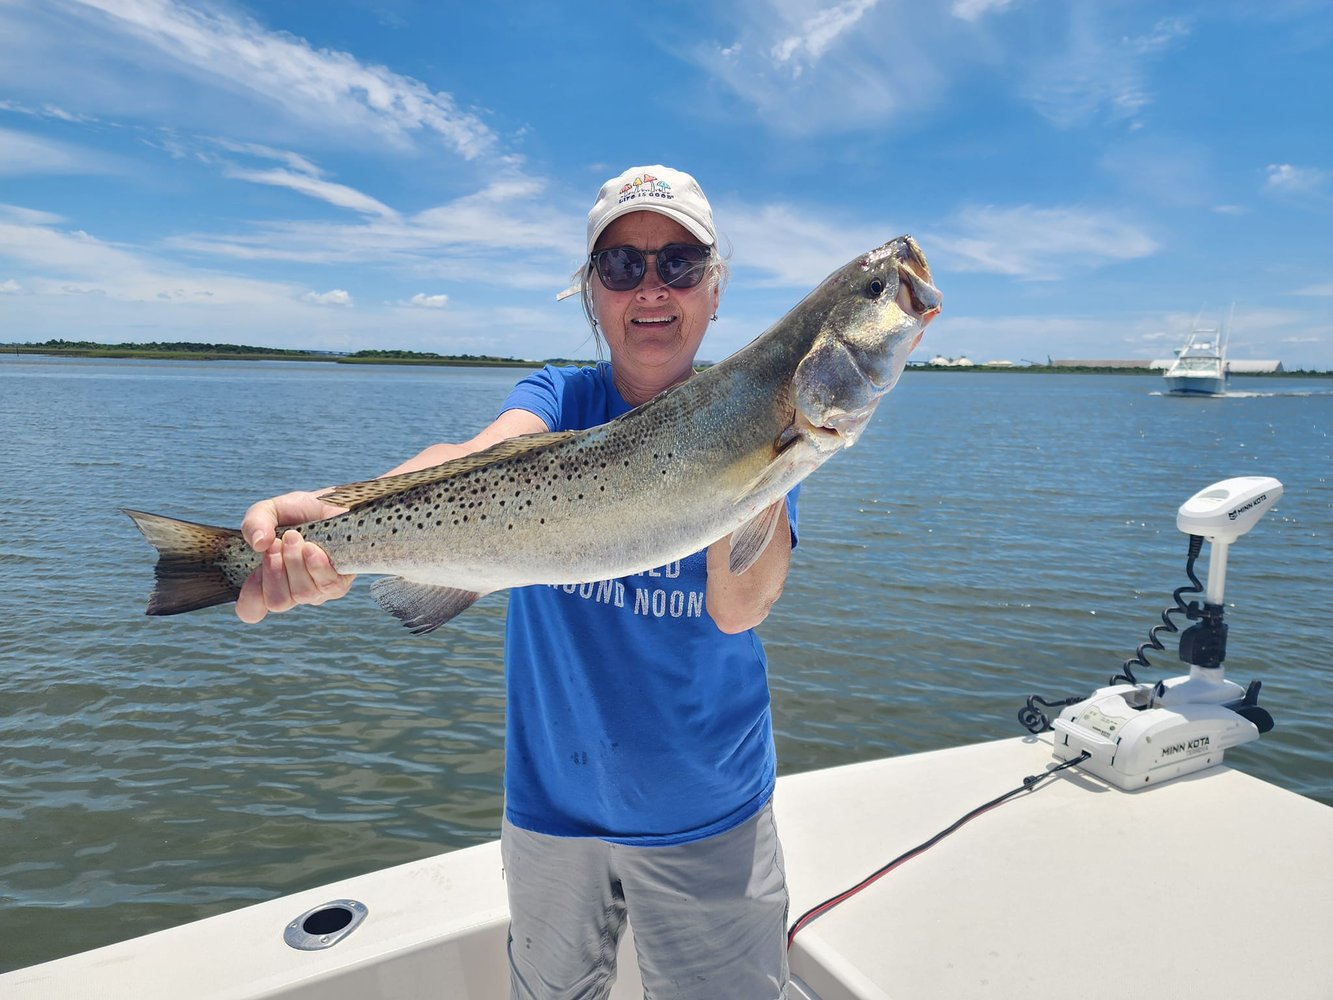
231 352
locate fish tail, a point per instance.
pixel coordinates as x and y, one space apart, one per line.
196 563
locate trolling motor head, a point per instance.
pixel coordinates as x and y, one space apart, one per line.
1226 510
1221 514
1138 733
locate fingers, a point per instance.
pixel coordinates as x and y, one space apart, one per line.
250 606
292 571
259 527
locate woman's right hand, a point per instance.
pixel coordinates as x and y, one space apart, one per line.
293 571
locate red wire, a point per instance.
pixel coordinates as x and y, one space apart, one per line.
871 879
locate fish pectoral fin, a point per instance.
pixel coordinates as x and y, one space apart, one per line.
354 495
751 538
795 457
422 607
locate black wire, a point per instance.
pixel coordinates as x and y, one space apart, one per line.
1034 720
1029 783
1126 670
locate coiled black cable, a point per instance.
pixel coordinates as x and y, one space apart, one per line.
1034 720
1139 658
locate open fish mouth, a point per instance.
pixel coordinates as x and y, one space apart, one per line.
852 365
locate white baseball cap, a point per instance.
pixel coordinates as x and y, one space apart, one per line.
659 189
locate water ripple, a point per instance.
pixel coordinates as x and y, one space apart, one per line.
990 537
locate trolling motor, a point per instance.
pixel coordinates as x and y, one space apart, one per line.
1142 733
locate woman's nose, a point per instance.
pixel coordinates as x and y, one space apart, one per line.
652 289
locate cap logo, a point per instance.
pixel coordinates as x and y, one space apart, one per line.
645 186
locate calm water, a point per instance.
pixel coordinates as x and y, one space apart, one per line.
990 537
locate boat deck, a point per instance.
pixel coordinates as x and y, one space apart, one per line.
1213 885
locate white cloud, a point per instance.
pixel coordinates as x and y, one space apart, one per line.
807 66
794 247
1095 71
128 45
974 10
294 161
510 234
818 33
25 154
1163 36
23 216
333 297
1283 178
1039 243
424 301
316 187
54 261
10 287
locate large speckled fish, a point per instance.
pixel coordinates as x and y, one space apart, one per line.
703 460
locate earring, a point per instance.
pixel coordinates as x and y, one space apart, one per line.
714 318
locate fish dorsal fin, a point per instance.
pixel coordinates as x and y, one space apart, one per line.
353 495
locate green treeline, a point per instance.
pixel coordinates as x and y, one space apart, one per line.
171 347
191 350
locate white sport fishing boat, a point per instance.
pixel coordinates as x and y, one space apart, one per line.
1200 367
1110 855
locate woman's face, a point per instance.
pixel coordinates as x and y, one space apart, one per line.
653 332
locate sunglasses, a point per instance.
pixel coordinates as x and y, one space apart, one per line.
679 265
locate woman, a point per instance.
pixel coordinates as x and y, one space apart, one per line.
639 762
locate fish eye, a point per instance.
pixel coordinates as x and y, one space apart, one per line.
875 289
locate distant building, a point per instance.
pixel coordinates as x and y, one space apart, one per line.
1238 366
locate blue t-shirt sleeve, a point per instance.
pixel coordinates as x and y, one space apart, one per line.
793 502
539 393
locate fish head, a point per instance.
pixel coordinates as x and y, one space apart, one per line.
873 313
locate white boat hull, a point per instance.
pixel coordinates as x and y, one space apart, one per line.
1213 885
1192 385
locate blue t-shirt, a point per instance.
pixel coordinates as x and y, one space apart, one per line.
630 716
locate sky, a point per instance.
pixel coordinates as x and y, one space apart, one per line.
1088 179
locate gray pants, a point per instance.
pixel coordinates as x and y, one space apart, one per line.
709 917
